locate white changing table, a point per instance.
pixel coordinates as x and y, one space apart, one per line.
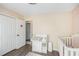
39 43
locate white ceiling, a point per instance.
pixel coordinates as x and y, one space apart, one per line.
39 8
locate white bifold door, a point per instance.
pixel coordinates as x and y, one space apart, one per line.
7 34
11 34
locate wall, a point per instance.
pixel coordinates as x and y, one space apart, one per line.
75 20
11 13
75 26
53 24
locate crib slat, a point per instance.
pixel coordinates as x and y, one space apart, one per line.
71 53
74 53
77 53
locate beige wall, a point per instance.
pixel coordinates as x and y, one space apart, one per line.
75 26
75 20
53 24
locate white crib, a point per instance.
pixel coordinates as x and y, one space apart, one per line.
66 48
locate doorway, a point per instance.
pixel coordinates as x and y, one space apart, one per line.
28 31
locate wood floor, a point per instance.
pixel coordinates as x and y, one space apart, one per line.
27 48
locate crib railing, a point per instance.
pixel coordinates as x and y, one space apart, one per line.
65 50
68 41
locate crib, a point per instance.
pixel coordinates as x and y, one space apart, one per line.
66 48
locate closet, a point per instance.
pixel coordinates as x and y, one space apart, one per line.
11 34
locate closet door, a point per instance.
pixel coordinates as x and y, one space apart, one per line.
8 34
20 33
0 39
